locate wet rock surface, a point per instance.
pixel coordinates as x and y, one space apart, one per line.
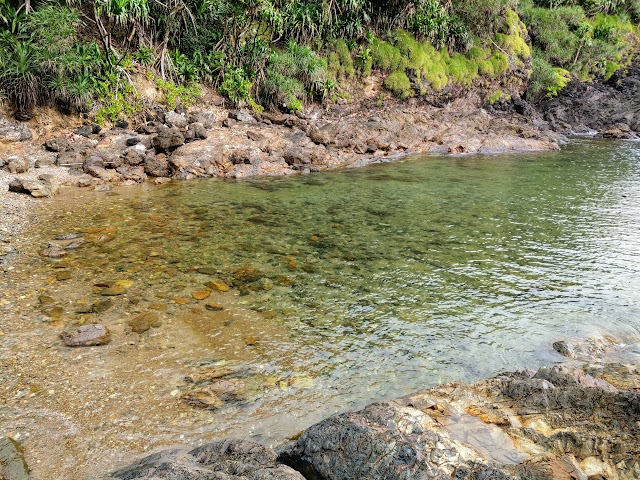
566 422
222 460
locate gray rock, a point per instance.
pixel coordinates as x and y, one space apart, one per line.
85 131
121 124
156 165
43 187
44 159
12 463
221 460
255 136
134 156
168 140
132 173
196 131
208 119
242 116
17 165
86 336
14 132
58 144
175 120
276 118
93 160
104 174
228 122
131 141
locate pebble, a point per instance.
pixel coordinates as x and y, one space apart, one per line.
201 294
218 286
101 306
207 270
213 306
64 275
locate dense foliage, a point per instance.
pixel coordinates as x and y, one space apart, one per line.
83 55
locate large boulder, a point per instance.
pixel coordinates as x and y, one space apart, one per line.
168 139
44 186
221 460
14 132
157 165
17 165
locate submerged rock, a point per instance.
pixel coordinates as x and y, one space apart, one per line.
221 460
247 274
86 336
144 322
12 464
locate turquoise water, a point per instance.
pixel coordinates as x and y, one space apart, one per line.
396 277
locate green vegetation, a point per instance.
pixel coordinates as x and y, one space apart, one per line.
84 55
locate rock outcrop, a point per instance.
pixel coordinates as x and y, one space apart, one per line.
610 109
557 423
567 422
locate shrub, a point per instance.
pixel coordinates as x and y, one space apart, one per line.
386 56
399 84
291 75
346 62
236 86
546 80
514 41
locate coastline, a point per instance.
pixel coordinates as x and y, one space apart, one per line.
233 149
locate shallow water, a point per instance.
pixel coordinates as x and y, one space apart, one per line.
378 282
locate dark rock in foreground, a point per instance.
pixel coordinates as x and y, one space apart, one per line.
223 460
558 423
566 422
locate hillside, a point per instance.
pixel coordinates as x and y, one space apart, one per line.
88 57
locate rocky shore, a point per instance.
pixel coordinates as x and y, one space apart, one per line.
577 420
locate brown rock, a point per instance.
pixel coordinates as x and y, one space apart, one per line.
247 274
113 291
218 286
144 322
215 307
201 294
